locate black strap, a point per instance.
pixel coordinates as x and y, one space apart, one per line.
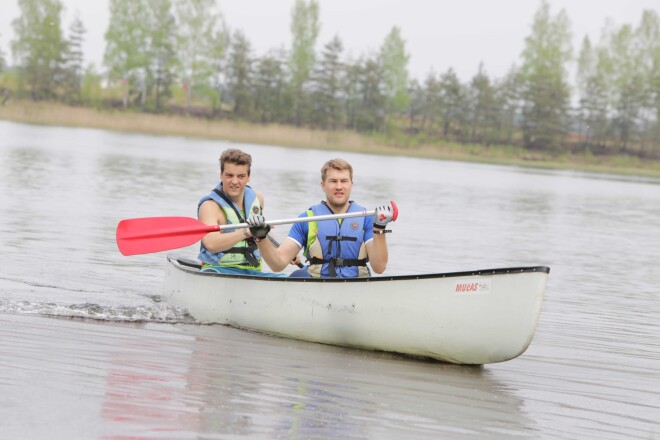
338 239
338 262
247 252
226 198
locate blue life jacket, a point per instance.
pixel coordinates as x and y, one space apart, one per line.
336 248
244 254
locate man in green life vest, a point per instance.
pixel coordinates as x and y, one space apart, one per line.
232 201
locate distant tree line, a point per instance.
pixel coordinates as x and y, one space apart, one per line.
180 56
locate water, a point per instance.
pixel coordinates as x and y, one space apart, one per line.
88 351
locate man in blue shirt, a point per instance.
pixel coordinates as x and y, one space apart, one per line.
334 248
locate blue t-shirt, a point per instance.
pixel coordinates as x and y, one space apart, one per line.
298 231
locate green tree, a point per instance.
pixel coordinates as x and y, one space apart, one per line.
416 107
432 102
351 92
371 110
3 62
508 103
394 62
127 45
4 92
201 45
453 106
626 78
271 97
74 60
545 89
586 66
593 95
305 28
90 89
483 111
162 50
39 46
648 38
239 74
328 79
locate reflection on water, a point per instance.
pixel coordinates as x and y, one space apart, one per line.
189 381
590 372
242 384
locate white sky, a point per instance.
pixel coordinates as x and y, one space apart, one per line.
439 34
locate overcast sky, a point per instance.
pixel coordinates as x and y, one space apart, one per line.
439 34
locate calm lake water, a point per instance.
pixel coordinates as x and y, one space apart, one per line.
87 350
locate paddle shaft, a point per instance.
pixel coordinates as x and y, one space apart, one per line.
315 218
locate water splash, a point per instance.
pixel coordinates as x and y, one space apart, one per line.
156 312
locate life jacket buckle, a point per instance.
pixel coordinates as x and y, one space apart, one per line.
339 262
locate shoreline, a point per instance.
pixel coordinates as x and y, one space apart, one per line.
53 114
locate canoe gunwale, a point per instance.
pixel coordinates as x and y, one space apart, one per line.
193 266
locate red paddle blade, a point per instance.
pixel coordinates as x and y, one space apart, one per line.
395 215
155 234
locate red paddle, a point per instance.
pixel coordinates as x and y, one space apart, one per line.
154 234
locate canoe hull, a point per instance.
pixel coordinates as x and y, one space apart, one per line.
466 318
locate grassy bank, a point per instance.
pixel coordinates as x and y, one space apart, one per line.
134 122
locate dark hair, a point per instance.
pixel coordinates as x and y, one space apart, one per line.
235 156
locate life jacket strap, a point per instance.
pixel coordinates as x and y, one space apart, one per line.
338 262
338 238
247 252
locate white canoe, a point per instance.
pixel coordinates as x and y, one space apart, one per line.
475 317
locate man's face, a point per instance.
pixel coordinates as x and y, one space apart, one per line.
234 178
337 187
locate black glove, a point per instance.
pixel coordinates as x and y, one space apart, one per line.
258 227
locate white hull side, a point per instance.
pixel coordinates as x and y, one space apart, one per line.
424 317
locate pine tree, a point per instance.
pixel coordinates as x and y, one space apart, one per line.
453 106
328 78
371 113
239 72
74 60
482 107
271 97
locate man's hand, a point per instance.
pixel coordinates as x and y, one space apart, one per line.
296 261
383 215
258 227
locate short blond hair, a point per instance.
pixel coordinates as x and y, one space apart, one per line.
336 164
236 157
